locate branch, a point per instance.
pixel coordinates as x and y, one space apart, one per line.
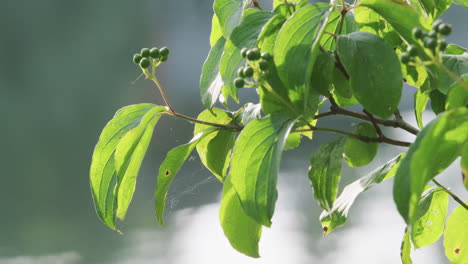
374 123
456 198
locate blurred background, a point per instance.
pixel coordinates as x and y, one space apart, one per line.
66 67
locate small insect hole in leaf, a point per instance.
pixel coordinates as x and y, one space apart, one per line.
457 251
325 228
167 173
428 223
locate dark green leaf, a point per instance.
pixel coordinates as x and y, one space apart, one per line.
325 172
374 70
229 13
175 158
431 217
456 236
438 100
296 49
255 164
215 149
357 152
341 84
337 216
243 36
322 73
242 231
103 174
210 80
435 148
405 252
420 102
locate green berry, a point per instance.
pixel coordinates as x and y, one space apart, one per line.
164 52
432 34
253 54
417 33
405 57
240 72
266 56
248 72
430 43
436 24
145 63
243 52
412 50
137 58
263 64
444 29
154 53
442 44
162 58
145 52
239 83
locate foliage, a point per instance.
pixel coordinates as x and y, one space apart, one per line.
299 56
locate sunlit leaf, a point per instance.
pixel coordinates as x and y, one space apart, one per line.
458 65
458 95
464 165
405 251
420 102
456 236
211 82
255 165
229 13
337 216
216 31
454 49
175 158
435 148
241 230
374 70
251 112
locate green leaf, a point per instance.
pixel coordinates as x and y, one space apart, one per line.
325 172
322 73
415 75
255 165
215 149
420 102
402 16
370 21
464 165
357 152
463 3
431 217
435 148
175 158
216 31
456 236
279 2
337 216
438 100
341 84
103 175
457 64
405 251
241 230
458 95
251 112
435 8
295 52
210 79
293 141
243 36
229 13
374 70
455 49
335 26
129 155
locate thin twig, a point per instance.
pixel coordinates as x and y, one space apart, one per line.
374 123
194 120
456 198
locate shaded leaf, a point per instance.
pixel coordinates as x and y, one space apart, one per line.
420 102
255 165
431 217
357 152
464 165
457 64
325 172
337 216
229 13
456 236
438 100
437 145
242 231
210 79
214 149
175 158
374 69
458 95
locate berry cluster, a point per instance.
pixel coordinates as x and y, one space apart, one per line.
149 57
432 40
255 61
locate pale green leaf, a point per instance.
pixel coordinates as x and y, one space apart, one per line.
216 30
420 102
405 251
357 152
429 225
243 36
325 172
458 95
457 64
435 148
211 82
456 236
215 149
463 3
241 230
337 216
175 158
464 165
229 13
251 112
374 70
103 176
255 165
454 49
